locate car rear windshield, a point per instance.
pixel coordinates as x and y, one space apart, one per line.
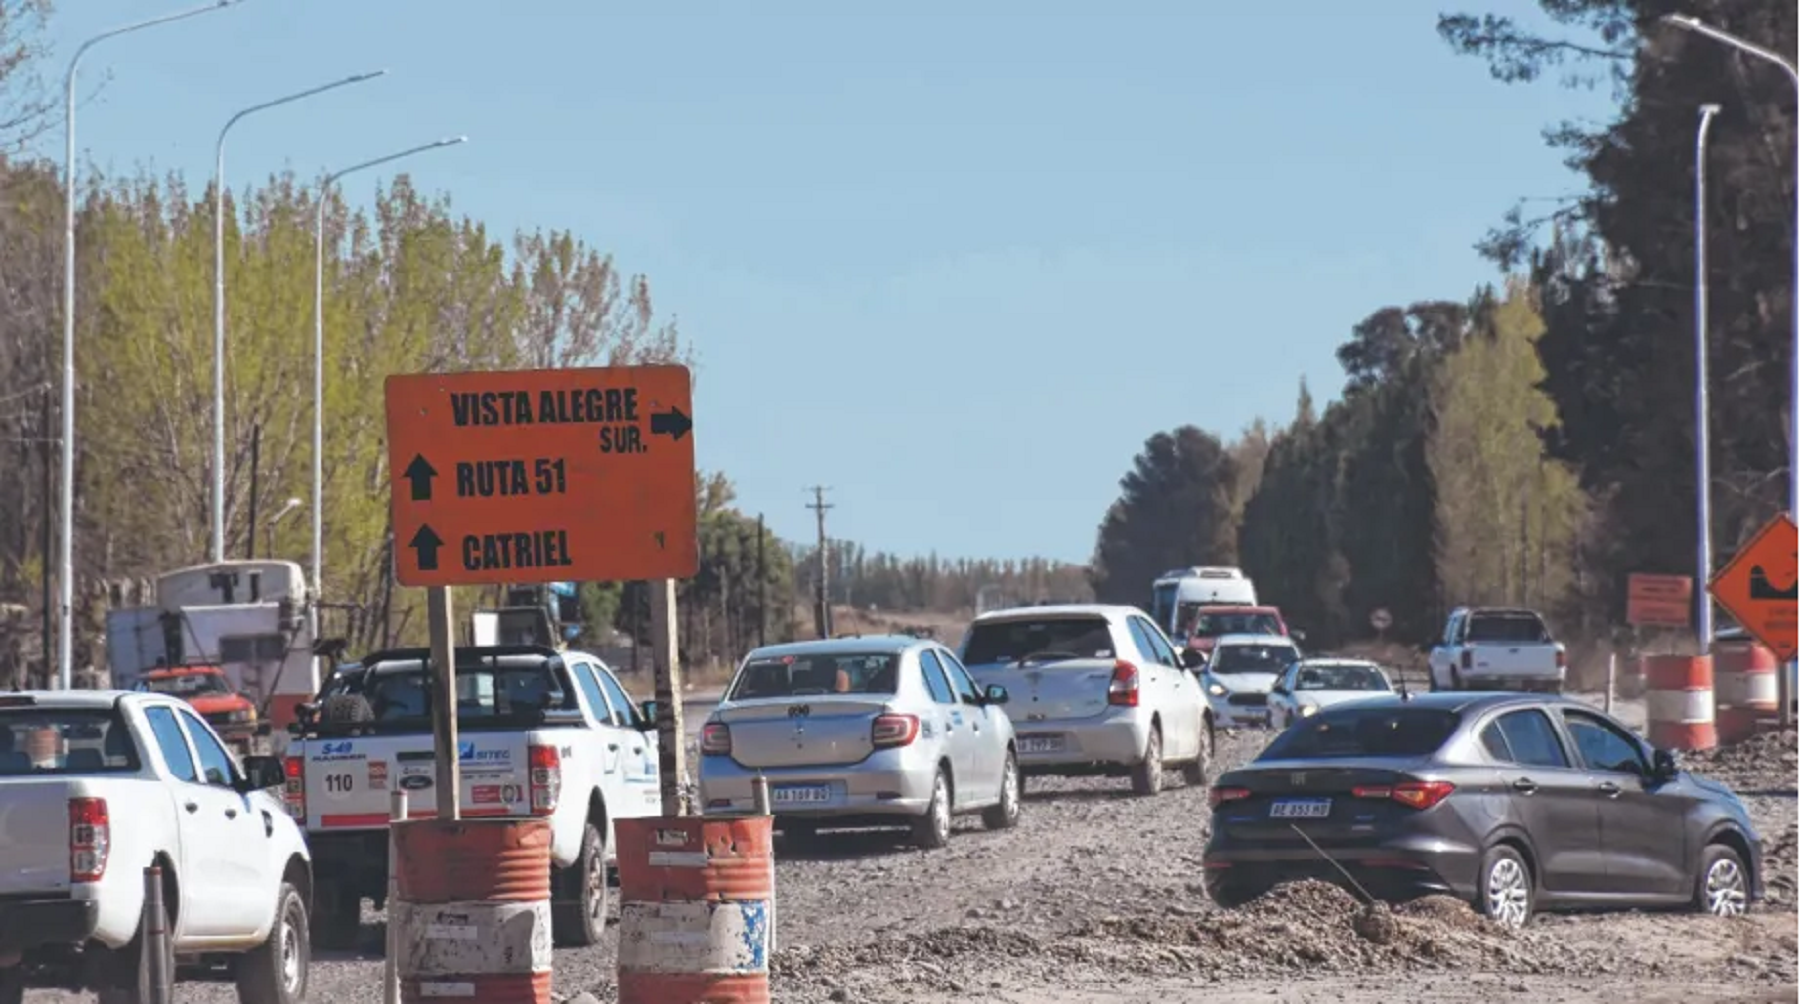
1364 732
811 675
1518 628
1198 623
487 693
1253 658
1039 639
65 741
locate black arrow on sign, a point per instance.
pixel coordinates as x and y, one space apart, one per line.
426 542
420 472
672 423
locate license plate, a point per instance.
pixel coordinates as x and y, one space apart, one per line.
1300 808
1041 744
793 794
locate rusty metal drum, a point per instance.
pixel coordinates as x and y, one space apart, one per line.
696 910
1747 689
472 910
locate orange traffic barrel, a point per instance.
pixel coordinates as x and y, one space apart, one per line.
696 909
1747 689
472 910
1678 700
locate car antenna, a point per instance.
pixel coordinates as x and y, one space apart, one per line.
1405 694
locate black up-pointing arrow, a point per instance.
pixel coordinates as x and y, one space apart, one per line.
672 423
426 542
420 472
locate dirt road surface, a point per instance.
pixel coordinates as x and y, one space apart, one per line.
1095 898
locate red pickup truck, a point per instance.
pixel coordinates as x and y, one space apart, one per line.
1201 626
209 690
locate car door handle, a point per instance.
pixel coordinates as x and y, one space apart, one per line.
1609 789
637 749
191 806
230 813
612 747
1525 785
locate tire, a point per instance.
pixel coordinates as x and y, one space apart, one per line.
1194 771
578 914
932 830
1005 815
12 985
1722 886
1147 774
336 922
277 971
1504 892
133 980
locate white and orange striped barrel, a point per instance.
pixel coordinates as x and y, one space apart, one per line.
1678 701
1747 689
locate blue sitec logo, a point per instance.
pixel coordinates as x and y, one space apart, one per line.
467 751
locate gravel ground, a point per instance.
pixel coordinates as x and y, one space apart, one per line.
1095 899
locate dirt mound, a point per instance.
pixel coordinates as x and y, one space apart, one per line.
1766 762
1445 910
1781 860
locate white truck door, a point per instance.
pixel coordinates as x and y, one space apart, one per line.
236 841
638 774
205 906
606 754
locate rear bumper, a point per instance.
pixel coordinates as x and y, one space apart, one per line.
1115 739
33 923
888 783
1395 869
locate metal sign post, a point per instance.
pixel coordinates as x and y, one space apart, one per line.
443 703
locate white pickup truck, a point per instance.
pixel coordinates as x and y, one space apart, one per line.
95 787
540 733
1497 648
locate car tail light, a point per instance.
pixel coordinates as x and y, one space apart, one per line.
1468 659
293 793
1123 691
90 839
546 779
1413 794
1219 796
893 730
715 739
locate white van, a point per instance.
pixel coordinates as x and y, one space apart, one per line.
1207 585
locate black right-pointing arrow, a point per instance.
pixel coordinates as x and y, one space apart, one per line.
673 423
420 472
426 542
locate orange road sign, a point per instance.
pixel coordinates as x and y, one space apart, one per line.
564 475
1658 600
1759 586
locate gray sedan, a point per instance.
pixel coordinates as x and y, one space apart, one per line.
854 732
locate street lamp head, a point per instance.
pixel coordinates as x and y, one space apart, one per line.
1709 109
1687 21
452 141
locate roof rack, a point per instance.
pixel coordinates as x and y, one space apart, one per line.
474 651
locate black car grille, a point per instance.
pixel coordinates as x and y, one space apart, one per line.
1248 700
218 719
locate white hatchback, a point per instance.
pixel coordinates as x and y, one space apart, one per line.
1312 685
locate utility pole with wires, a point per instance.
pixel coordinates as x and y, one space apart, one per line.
822 603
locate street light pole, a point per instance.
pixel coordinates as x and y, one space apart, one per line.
318 471
65 642
1792 69
218 486
1702 418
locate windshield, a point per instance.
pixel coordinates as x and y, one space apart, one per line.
1253 658
41 741
1049 637
522 689
1364 732
804 675
1196 622
186 685
1340 678
1519 628
1162 602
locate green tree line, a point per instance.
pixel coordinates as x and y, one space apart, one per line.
1532 443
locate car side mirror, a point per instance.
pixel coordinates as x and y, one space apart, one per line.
1663 766
1299 636
1192 658
261 773
647 715
997 694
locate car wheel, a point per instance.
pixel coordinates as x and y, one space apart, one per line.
1505 895
1723 887
1005 815
579 919
932 830
1147 775
1194 771
336 916
275 972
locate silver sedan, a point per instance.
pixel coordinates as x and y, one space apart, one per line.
856 732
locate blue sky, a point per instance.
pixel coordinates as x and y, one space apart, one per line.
956 265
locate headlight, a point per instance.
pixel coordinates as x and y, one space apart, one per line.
1216 689
241 715
1308 710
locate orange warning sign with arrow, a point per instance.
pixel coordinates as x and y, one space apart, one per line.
1760 586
